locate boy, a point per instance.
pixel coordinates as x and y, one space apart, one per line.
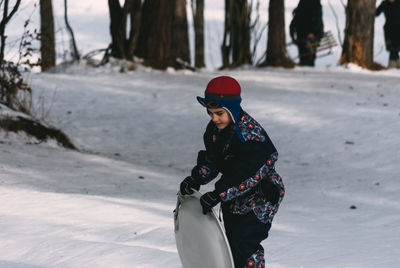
249 189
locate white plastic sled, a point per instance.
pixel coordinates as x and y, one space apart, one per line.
200 239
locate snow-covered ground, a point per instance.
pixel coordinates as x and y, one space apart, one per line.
110 205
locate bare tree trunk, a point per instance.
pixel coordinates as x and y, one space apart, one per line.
226 43
135 14
241 33
47 48
276 44
75 53
180 38
115 9
359 33
123 47
155 33
122 40
3 23
198 19
237 28
163 37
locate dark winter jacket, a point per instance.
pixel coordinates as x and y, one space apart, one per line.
245 158
392 24
307 18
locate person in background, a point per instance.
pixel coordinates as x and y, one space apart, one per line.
249 190
391 9
306 29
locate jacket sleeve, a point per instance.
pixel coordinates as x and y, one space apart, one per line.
253 165
318 23
292 29
380 8
206 169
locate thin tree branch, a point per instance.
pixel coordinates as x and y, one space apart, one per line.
76 55
6 18
15 8
337 22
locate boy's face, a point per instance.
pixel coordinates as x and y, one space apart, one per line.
220 117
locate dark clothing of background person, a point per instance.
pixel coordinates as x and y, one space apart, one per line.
307 28
391 9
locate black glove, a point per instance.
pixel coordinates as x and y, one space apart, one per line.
270 191
187 184
208 201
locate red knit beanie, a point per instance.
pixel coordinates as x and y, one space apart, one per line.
224 88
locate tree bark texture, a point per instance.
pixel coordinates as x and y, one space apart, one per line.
241 33
122 46
276 44
115 11
236 44
135 13
226 42
359 33
163 36
47 47
180 37
198 21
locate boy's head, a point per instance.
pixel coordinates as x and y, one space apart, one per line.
223 92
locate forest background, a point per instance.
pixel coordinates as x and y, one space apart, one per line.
90 22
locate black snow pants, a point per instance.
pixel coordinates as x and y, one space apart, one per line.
245 233
307 54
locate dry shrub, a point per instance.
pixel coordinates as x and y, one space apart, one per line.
13 89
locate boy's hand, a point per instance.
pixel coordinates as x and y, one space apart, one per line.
187 184
209 200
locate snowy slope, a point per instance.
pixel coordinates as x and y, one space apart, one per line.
111 204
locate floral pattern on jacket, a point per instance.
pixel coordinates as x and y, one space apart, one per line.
245 156
258 203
